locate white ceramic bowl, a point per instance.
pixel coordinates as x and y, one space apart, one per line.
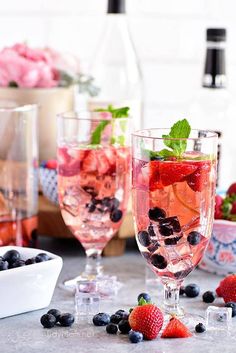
29 287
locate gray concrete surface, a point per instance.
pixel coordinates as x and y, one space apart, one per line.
23 333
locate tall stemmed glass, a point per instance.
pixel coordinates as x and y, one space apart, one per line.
93 180
173 201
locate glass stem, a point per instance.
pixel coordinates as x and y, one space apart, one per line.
171 298
93 263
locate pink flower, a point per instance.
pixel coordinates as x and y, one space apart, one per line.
31 68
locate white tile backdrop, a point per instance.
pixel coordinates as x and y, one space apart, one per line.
169 36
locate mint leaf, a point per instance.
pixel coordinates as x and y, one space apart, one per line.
176 139
97 133
116 114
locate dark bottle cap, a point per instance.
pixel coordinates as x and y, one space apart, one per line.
216 34
116 6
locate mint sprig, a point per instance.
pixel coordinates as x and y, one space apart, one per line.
176 141
116 114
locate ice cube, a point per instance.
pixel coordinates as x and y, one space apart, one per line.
218 318
87 298
73 198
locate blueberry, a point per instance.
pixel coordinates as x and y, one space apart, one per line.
175 223
30 261
233 306
114 203
194 238
66 319
90 190
112 329
159 261
153 247
151 231
48 320
116 215
3 265
182 290
11 256
124 326
120 312
156 213
200 328
165 230
144 238
172 241
135 336
208 297
18 263
55 313
101 319
115 318
145 296
41 257
192 290
171 222
91 207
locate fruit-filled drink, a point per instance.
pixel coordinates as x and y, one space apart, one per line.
173 201
93 179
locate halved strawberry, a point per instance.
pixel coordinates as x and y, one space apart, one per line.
199 179
174 172
90 162
155 180
102 162
175 329
75 153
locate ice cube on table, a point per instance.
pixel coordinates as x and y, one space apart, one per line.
87 298
218 318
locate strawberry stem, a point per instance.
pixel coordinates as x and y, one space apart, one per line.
174 187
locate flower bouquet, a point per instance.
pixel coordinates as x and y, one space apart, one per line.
44 77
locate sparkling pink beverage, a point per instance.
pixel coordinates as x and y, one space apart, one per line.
173 204
93 188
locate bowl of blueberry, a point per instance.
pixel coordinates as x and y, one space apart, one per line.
48 180
27 279
220 256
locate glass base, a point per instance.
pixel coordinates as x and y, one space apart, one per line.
106 286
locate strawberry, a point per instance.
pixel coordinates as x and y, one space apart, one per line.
174 172
90 162
233 209
102 163
147 319
155 181
231 190
218 205
51 164
199 179
227 289
175 329
77 154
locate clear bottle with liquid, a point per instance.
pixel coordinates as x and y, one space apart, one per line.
115 67
211 107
